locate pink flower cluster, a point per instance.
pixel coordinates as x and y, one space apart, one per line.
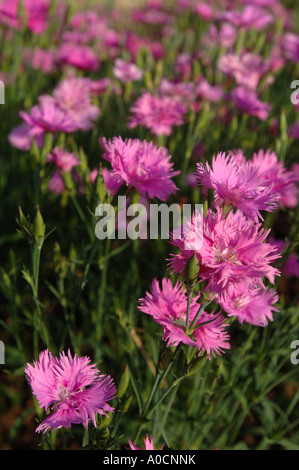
68 109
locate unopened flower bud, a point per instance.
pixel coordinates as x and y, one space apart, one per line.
191 271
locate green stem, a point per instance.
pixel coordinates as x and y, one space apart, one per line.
192 326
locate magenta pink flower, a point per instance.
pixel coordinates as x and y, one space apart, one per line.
81 57
140 164
126 71
248 103
148 443
158 114
63 160
250 305
168 307
73 388
237 182
230 249
274 175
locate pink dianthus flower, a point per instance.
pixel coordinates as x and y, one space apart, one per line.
141 164
73 388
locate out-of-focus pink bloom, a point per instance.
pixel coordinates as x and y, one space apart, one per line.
74 96
249 17
78 56
274 175
141 164
248 103
237 182
56 183
247 69
22 137
43 60
291 266
204 10
148 443
126 71
231 249
210 93
134 43
35 11
293 130
158 114
225 36
250 305
48 116
168 307
183 65
98 87
63 160
93 174
182 91
290 46
72 386
153 16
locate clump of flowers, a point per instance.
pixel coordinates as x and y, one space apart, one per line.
168 307
158 114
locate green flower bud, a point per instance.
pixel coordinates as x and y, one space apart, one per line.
123 383
191 271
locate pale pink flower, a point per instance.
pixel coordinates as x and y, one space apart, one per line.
126 71
158 114
141 164
168 307
237 182
72 387
181 91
